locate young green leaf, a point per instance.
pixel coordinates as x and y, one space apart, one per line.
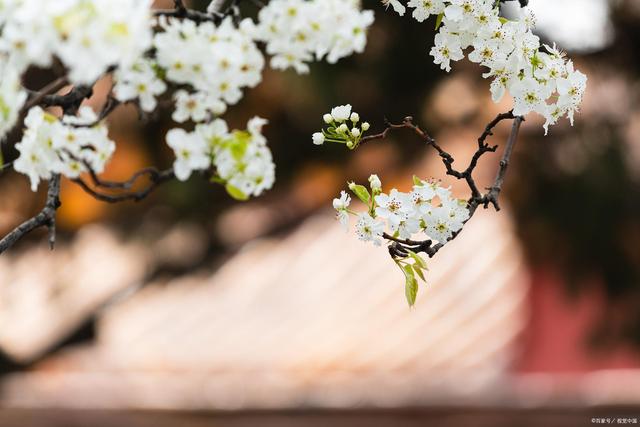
419 261
236 193
217 180
439 20
411 285
361 192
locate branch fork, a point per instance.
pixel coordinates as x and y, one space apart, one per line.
400 248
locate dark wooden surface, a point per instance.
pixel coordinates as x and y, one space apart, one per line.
441 417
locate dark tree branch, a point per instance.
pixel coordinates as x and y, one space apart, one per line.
104 190
180 11
399 248
46 217
496 188
110 105
523 3
69 102
36 97
190 14
156 178
215 14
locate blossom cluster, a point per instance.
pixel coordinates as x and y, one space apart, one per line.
62 146
428 210
539 78
12 97
241 159
216 62
297 31
204 65
342 127
139 82
87 36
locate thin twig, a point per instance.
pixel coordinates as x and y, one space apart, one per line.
46 217
156 177
496 188
180 11
51 88
70 102
399 248
110 105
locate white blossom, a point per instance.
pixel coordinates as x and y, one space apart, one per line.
216 61
375 183
342 127
394 207
12 98
429 211
241 157
298 31
53 146
318 138
139 82
538 78
369 229
190 150
341 205
87 36
341 113
396 5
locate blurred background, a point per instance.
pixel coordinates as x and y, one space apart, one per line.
189 309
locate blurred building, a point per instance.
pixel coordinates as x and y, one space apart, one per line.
189 310
309 320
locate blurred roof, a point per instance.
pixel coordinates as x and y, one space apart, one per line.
314 318
46 295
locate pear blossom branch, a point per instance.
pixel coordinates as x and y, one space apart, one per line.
110 105
156 177
51 88
69 102
193 15
214 12
523 3
46 218
400 248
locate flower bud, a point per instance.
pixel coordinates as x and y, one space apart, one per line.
375 183
365 126
343 128
355 132
328 118
355 117
318 138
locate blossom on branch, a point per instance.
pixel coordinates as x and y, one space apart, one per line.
299 31
538 77
68 146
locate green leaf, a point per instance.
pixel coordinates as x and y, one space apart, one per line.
419 272
417 181
418 259
439 20
411 285
236 193
238 144
360 191
503 20
217 180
